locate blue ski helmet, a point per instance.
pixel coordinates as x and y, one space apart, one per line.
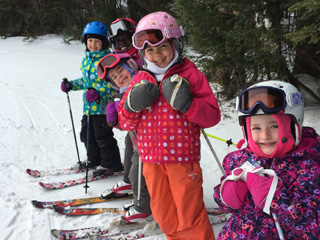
96 30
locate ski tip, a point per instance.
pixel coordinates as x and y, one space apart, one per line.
58 209
36 204
42 184
33 173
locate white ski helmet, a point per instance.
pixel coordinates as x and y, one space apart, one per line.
271 97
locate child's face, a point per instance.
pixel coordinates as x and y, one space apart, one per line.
265 132
161 55
94 44
120 76
123 41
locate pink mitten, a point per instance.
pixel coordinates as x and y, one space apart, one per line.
234 193
259 188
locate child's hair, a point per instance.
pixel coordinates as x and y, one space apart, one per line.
274 98
154 29
96 30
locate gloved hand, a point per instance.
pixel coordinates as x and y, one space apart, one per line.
259 187
176 91
234 190
112 113
92 95
141 96
66 85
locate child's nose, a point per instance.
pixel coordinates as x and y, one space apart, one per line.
266 134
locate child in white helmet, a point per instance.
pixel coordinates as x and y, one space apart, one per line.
103 151
272 186
167 103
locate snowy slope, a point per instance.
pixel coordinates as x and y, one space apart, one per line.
36 133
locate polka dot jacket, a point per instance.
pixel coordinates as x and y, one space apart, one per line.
165 135
91 79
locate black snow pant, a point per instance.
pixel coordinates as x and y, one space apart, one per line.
103 148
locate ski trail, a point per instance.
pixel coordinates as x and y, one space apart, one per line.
33 123
50 114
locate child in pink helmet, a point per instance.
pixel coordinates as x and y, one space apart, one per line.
167 103
272 186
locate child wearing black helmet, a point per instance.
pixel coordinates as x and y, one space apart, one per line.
103 151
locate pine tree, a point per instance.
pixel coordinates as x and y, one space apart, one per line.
242 41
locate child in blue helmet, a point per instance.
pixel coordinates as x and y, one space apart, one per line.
103 151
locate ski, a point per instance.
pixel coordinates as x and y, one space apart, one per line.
214 211
74 211
79 201
150 229
63 184
97 231
53 172
85 211
125 231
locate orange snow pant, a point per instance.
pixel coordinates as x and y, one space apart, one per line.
177 200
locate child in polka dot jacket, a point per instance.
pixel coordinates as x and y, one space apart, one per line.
167 103
103 149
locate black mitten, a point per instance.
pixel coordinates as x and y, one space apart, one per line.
141 96
176 91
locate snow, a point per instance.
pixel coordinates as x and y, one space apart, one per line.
36 132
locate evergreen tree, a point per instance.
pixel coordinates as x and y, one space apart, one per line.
243 41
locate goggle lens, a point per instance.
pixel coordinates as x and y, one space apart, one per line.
108 61
123 25
152 37
270 100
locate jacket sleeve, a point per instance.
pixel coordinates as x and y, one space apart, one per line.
77 84
204 110
229 163
297 205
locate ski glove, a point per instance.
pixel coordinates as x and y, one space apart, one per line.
234 190
66 85
176 91
92 95
112 113
141 96
259 187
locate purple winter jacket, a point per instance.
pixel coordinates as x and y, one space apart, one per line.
298 204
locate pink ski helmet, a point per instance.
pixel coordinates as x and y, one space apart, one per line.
155 28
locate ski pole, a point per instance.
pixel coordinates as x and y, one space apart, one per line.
276 221
88 134
229 142
72 122
139 181
212 150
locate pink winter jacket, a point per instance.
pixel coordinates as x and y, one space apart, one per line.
164 134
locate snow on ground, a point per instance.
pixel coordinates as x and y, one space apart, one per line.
36 132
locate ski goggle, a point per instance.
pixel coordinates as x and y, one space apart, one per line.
123 25
153 37
271 100
105 63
